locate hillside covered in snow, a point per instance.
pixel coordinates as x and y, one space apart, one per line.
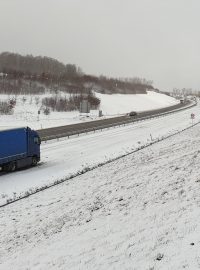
121 104
25 111
42 92
138 212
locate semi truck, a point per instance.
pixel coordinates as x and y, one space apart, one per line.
19 147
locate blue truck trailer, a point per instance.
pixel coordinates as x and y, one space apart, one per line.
19 147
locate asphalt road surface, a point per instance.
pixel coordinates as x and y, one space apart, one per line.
68 130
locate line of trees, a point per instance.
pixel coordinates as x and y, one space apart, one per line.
69 78
63 104
20 86
18 65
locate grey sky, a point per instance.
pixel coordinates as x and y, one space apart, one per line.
155 39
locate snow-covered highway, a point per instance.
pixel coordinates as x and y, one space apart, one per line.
64 158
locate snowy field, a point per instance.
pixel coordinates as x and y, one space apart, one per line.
67 157
27 107
120 104
140 212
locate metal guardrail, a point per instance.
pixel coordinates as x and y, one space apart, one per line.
105 126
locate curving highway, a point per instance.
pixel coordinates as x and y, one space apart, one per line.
68 130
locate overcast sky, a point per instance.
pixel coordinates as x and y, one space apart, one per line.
154 39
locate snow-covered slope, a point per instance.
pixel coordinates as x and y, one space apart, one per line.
140 212
119 104
27 107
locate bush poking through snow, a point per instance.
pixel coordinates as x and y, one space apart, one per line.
6 107
159 257
46 111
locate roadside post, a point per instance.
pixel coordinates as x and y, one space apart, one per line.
192 117
100 113
38 115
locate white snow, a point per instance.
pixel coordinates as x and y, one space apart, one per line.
140 212
27 107
120 104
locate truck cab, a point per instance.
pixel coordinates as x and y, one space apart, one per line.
34 146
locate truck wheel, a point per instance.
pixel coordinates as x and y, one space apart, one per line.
10 167
34 161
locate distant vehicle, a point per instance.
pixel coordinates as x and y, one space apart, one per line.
132 114
19 148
